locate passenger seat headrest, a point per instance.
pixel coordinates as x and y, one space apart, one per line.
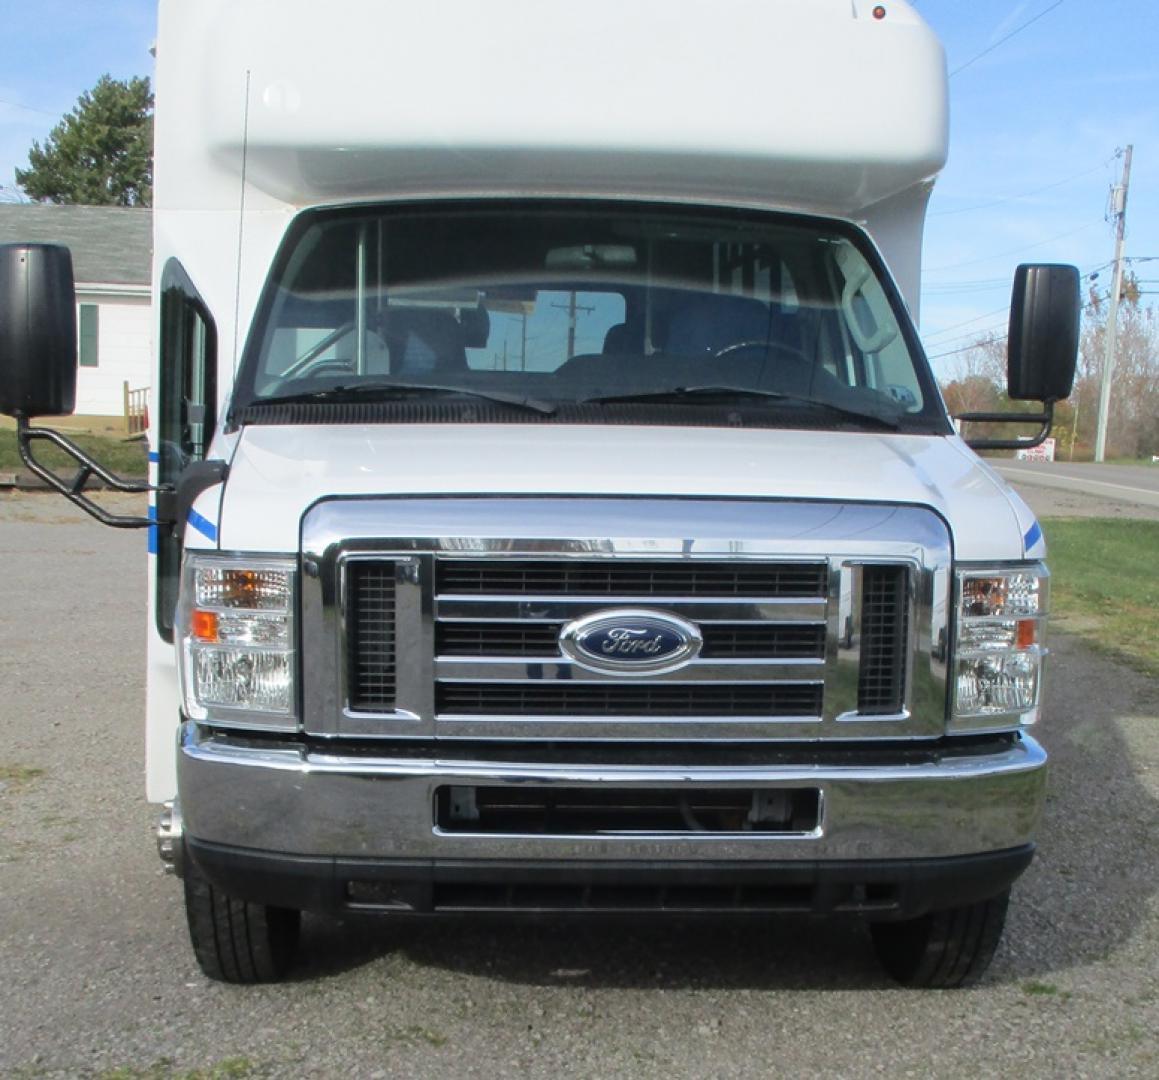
476 324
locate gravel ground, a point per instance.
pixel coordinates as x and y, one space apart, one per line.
1054 502
99 980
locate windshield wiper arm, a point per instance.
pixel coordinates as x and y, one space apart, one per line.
678 393
386 390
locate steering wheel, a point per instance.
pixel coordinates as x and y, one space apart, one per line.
766 346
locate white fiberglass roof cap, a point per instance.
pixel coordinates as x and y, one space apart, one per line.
817 104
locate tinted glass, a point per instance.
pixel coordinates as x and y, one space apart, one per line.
586 305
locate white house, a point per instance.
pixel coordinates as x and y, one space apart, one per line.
112 255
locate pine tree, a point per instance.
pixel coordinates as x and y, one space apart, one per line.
101 153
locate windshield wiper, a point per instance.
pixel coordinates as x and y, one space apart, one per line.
384 391
679 393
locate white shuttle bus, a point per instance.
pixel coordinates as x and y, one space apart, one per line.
553 511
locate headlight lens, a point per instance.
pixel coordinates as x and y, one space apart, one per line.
237 655
998 664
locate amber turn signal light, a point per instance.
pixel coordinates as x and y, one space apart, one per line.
203 625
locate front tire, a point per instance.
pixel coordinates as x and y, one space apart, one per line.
942 949
236 941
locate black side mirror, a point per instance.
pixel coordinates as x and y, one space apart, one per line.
37 330
1043 342
38 367
1042 350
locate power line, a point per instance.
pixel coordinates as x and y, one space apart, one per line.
966 322
27 108
1013 251
973 336
1083 274
954 288
1002 40
1024 195
964 348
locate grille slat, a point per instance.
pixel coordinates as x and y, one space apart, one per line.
630 578
372 620
884 633
614 701
738 641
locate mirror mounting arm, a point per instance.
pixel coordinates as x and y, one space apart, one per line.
1044 419
88 468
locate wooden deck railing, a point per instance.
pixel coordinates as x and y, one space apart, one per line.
136 409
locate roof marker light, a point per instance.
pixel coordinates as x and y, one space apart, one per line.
879 11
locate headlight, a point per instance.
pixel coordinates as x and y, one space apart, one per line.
998 659
236 652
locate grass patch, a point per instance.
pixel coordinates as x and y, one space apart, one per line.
1104 587
1039 989
425 1035
19 775
116 455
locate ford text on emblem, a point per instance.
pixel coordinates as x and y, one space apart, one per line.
630 641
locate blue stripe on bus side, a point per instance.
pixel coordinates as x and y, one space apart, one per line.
203 525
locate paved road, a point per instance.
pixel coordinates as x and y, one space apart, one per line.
1137 484
98 979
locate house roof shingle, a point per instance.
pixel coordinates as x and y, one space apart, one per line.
111 245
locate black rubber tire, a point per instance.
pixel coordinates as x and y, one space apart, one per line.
943 949
236 941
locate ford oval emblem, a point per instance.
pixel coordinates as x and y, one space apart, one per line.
630 641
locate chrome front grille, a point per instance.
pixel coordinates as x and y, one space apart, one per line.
443 619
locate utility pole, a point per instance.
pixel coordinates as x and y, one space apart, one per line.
1119 209
571 325
572 310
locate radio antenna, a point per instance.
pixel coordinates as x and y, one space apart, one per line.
245 147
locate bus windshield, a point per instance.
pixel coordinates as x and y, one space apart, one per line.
590 308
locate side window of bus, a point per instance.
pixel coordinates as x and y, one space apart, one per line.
187 406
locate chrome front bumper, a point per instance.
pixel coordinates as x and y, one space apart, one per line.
298 800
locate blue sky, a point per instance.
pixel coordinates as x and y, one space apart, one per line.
1041 117
1035 124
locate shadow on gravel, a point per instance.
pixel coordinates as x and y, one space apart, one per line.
783 953
1088 891
1082 898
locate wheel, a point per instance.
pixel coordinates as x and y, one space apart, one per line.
236 941
942 949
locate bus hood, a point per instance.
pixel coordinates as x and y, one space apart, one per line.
277 473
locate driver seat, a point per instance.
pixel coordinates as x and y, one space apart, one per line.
424 341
